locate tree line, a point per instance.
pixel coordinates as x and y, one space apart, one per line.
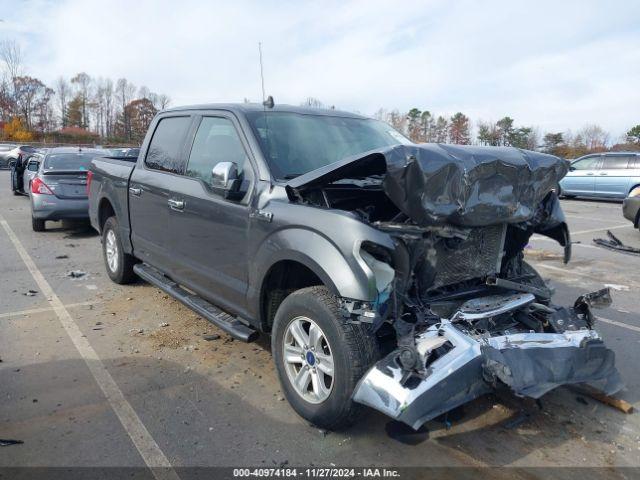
78 109
424 126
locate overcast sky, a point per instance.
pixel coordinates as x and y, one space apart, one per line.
554 64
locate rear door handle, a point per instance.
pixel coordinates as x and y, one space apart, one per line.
176 204
136 192
590 173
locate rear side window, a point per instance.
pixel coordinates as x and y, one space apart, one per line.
216 141
614 162
166 144
586 163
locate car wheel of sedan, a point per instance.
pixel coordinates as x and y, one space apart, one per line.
37 224
119 264
320 356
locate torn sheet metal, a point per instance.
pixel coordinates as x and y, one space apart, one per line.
458 365
436 184
614 243
469 185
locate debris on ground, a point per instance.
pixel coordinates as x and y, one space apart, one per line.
209 338
617 403
136 330
30 293
164 324
61 257
6 442
76 274
614 243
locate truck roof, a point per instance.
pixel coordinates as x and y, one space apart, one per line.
258 107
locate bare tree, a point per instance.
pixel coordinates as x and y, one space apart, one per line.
594 137
83 82
124 93
63 90
11 55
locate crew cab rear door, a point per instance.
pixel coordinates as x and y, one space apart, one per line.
151 187
210 232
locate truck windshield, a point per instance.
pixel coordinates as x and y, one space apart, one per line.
295 143
68 161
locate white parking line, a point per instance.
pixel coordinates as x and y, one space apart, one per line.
45 309
140 436
615 227
619 324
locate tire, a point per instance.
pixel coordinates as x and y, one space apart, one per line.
351 346
120 266
37 224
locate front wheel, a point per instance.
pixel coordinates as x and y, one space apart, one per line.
320 356
118 263
37 224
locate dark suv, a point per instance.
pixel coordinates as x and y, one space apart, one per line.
387 274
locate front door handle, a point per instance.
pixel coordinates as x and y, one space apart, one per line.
136 192
176 204
604 173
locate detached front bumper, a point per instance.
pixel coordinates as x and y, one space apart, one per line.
530 364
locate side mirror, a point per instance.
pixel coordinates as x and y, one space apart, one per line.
225 179
33 165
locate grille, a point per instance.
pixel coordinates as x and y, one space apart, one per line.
476 257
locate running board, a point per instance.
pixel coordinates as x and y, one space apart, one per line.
224 321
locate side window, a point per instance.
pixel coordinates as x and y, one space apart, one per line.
216 141
166 143
614 162
586 163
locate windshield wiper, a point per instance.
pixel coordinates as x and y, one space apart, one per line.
290 176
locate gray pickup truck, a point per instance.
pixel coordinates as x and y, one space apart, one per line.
388 274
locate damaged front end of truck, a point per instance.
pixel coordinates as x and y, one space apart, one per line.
464 311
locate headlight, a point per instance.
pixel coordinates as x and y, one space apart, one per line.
635 192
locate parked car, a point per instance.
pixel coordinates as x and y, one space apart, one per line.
631 207
5 148
608 175
32 164
16 158
387 274
129 152
58 190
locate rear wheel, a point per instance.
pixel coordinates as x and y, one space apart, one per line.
118 263
36 223
320 356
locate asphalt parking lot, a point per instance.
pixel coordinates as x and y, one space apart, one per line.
96 374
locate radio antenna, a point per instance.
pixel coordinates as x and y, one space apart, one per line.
266 102
261 70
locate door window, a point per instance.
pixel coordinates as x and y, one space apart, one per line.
614 162
166 144
585 164
216 141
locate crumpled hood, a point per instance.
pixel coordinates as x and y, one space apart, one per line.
455 184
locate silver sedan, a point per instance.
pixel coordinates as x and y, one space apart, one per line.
58 190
